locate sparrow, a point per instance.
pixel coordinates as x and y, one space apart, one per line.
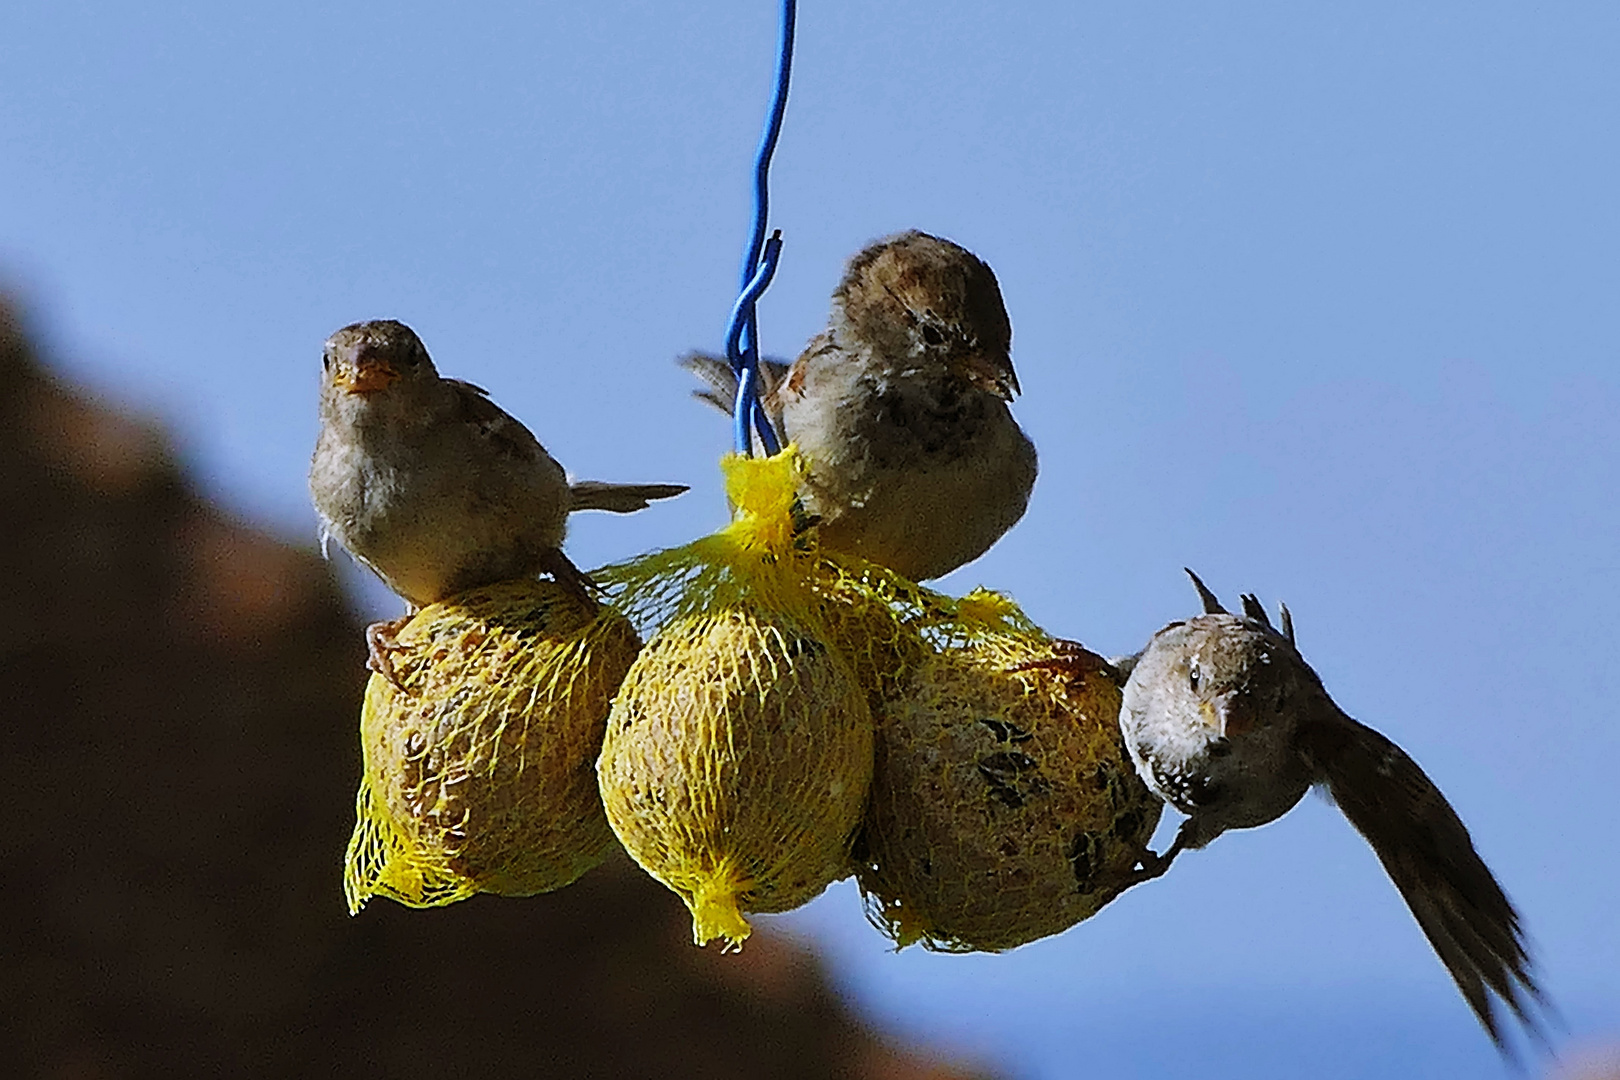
913 459
432 485
1226 722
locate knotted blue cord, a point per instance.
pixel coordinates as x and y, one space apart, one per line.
742 332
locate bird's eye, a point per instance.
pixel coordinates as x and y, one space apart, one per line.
326 360
1192 676
932 335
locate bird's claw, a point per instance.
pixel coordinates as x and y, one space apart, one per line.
1151 864
565 573
381 640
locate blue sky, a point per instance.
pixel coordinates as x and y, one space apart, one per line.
1322 302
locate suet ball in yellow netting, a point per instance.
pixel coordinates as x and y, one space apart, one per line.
1004 807
479 769
736 765
738 752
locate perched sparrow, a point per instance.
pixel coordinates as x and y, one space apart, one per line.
900 408
1226 722
432 485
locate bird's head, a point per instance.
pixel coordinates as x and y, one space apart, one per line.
1219 677
367 357
931 304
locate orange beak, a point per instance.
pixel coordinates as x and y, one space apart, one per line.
366 376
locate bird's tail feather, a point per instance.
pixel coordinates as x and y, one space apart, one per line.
1428 854
618 498
721 381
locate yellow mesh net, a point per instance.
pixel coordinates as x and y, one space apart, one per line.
794 718
1003 807
479 769
739 751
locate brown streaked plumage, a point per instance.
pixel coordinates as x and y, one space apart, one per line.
1226 721
914 460
432 485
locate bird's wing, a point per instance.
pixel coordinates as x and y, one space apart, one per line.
1212 606
618 498
504 432
1253 609
1428 854
721 380
720 388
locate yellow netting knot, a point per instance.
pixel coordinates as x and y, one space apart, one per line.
762 492
715 911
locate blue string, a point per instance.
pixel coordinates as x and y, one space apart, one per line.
742 332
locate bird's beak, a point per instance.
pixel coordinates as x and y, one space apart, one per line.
366 375
992 374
